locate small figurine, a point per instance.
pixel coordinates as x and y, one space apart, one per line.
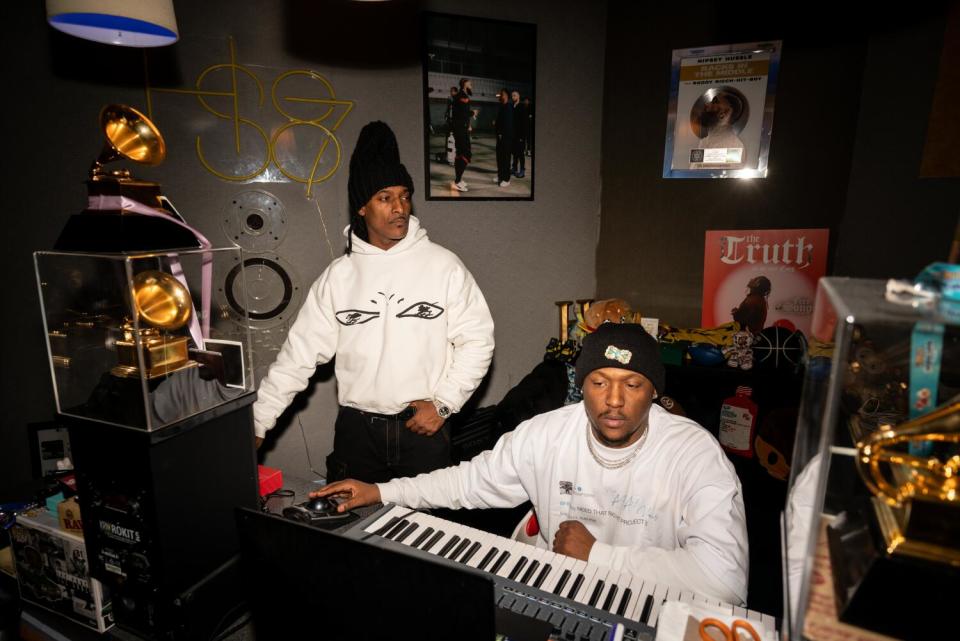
740 353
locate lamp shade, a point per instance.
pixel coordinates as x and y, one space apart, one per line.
142 23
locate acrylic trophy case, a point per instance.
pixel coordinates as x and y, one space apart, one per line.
872 522
132 338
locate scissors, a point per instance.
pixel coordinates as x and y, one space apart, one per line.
729 634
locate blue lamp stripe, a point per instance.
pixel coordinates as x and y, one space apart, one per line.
114 23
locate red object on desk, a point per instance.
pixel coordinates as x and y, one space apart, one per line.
271 480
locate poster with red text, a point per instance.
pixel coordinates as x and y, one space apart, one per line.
761 276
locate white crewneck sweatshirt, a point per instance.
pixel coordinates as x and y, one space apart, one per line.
408 323
673 515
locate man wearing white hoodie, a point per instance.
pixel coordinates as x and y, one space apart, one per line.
409 328
615 480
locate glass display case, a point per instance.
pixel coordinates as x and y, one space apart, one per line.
133 339
871 527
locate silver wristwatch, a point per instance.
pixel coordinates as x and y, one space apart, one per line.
442 410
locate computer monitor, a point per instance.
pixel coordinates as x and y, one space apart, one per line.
304 582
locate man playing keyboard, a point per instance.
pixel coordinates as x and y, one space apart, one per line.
615 480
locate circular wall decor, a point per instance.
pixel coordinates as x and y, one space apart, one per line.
254 220
262 291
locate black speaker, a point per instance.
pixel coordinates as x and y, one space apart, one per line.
157 511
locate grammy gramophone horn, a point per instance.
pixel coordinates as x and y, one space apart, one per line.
130 135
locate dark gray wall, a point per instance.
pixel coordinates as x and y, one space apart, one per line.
851 108
895 222
524 255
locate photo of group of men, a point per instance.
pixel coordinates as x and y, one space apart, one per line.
479 107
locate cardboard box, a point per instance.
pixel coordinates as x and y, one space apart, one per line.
52 571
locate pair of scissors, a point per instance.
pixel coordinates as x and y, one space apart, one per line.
729 633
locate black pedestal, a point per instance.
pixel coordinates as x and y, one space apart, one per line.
157 511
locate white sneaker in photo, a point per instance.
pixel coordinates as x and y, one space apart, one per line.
505 183
460 186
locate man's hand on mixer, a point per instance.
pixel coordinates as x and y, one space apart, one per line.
351 493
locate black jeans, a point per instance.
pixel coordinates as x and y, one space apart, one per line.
375 448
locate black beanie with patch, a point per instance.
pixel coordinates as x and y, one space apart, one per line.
624 346
375 164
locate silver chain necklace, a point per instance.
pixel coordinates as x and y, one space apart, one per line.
614 464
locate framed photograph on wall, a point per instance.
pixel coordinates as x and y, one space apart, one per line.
479 108
720 114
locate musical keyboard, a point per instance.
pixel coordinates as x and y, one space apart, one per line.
581 600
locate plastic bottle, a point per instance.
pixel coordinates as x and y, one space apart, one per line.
738 422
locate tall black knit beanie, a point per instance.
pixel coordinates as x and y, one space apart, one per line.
375 164
624 346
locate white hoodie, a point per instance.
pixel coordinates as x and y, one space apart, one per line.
405 324
674 515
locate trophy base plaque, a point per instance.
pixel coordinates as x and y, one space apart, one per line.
890 592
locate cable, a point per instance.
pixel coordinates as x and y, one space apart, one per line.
307 448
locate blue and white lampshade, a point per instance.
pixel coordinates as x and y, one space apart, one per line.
137 23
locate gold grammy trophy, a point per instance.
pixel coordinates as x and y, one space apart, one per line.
131 136
915 500
895 549
162 305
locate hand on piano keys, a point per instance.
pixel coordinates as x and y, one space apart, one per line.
573 539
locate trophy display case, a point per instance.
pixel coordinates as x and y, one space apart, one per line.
872 521
132 338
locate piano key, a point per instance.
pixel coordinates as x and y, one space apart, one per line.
514 552
635 611
562 581
595 593
624 602
754 617
578 586
701 599
564 563
439 534
636 591
499 564
543 575
470 553
457 551
531 573
769 622
685 596
518 568
658 602
609 600
739 612
423 537
393 515
448 545
396 529
591 574
407 532
488 558
647 609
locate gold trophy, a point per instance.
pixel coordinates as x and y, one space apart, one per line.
915 497
895 549
162 305
132 136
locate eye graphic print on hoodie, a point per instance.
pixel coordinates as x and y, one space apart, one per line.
420 309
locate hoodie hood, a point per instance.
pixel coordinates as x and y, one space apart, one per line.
415 236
